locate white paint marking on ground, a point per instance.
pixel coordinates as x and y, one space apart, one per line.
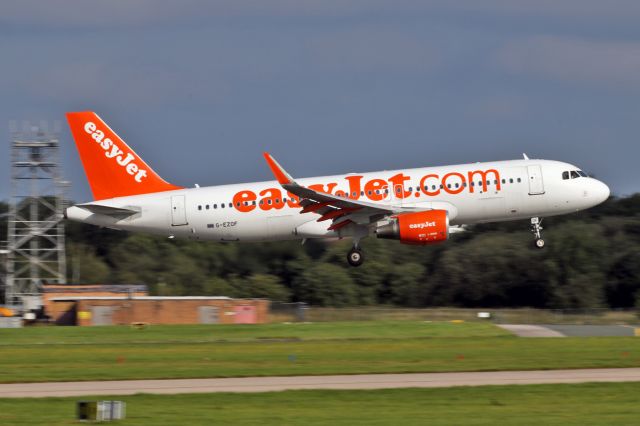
528 330
361 381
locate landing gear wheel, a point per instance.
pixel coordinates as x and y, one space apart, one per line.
355 258
536 228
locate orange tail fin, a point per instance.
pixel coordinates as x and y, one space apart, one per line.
113 169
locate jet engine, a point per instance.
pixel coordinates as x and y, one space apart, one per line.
420 228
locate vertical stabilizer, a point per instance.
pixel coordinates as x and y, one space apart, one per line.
112 168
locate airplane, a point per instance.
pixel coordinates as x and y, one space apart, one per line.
419 206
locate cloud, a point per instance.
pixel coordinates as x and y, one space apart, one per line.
571 9
608 63
101 14
372 49
497 107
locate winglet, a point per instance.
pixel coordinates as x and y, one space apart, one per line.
281 175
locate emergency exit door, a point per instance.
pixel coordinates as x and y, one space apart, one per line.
178 210
536 185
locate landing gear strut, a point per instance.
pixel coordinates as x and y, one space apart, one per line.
355 257
536 228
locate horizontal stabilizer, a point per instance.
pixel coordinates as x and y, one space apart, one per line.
107 210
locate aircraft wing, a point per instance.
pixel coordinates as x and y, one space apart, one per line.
342 210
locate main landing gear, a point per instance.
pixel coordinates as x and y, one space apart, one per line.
536 228
355 257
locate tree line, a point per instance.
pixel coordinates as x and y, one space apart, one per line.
592 259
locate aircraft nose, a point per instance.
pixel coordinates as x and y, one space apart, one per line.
600 191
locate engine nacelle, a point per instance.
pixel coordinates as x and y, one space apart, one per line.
428 227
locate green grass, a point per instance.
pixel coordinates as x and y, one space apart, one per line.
576 404
116 353
245 333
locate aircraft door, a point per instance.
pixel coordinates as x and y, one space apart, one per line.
178 211
536 184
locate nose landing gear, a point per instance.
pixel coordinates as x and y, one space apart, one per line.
536 228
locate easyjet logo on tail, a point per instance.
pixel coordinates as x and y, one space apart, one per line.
113 151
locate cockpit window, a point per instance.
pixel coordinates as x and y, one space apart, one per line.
573 174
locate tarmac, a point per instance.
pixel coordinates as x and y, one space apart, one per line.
364 381
528 330
562 330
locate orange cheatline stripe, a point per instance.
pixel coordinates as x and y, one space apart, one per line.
276 170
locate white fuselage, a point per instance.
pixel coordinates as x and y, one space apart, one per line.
263 211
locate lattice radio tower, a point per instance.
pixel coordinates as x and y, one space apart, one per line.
35 251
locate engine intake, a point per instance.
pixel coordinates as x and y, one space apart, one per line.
418 228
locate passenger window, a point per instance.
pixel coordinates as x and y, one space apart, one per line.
510 180
199 207
207 207
433 187
215 206
504 181
495 182
457 185
269 202
222 205
238 204
230 205
519 180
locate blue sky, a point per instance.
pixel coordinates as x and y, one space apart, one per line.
200 88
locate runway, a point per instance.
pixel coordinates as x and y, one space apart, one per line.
570 330
364 381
